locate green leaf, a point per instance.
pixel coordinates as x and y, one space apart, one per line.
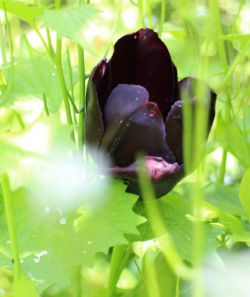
27 13
70 22
230 135
33 78
175 210
53 240
24 288
245 192
225 198
156 275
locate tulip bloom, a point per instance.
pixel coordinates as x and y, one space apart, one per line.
134 105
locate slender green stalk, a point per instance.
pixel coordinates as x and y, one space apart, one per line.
150 13
76 282
11 224
62 80
42 40
2 44
11 50
50 46
151 278
119 259
224 64
162 18
158 227
177 289
82 103
141 13
45 104
71 85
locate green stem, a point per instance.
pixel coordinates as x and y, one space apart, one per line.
50 46
71 85
140 13
62 80
2 44
46 108
158 227
76 282
224 64
119 259
11 224
81 72
150 14
162 18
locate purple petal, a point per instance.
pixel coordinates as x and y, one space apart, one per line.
174 128
94 128
123 100
163 175
101 77
143 131
143 59
188 85
174 121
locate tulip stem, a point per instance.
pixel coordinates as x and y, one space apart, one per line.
71 96
119 259
7 196
81 73
140 12
159 228
62 80
224 63
150 14
162 18
76 281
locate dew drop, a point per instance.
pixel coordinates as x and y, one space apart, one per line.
84 252
62 221
2 292
90 242
53 74
36 260
47 209
121 121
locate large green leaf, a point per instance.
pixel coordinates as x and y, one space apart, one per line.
70 22
224 198
32 79
245 192
175 211
53 240
233 138
25 12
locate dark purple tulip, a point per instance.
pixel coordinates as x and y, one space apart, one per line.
134 104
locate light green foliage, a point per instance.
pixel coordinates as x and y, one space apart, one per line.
23 11
245 192
69 218
24 288
70 22
175 211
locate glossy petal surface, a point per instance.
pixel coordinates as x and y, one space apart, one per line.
94 127
143 131
163 175
101 77
174 121
122 101
188 86
143 59
174 130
